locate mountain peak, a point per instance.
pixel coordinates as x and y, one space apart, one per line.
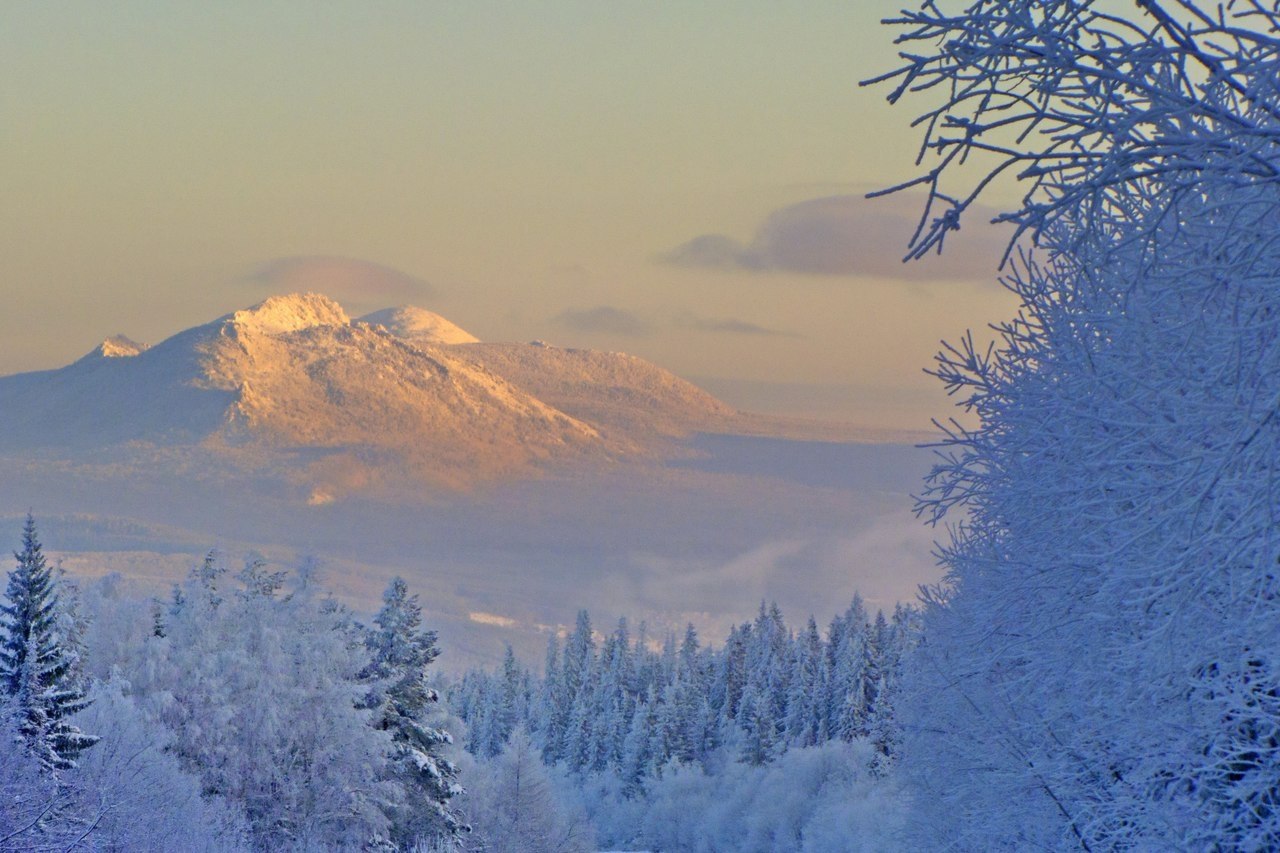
118 346
279 314
419 325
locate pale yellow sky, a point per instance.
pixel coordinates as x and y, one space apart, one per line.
525 167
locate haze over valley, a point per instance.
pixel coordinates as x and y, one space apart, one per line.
516 481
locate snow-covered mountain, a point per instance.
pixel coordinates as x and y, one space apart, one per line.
511 482
419 325
621 395
403 390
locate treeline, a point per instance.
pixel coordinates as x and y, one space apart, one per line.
616 705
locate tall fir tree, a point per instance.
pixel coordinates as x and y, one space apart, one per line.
552 706
38 668
804 723
401 701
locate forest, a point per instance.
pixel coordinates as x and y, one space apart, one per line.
252 711
1098 669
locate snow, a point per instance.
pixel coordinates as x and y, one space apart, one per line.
118 346
290 313
294 372
625 396
419 325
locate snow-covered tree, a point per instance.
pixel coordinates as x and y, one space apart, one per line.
401 700
1099 668
804 722
821 799
634 711
513 804
262 694
132 791
36 812
38 667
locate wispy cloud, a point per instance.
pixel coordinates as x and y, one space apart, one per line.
606 319
345 279
730 326
611 320
849 235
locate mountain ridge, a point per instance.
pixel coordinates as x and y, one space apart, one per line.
401 392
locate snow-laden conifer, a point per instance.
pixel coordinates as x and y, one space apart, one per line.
515 805
402 702
636 712
37 664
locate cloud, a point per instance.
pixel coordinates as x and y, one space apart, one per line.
604 318
731 326
607 319
345 279
849 235
715 250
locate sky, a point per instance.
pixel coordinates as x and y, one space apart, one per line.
680 181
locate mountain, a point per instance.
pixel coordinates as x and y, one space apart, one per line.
418 325
293 380
510 482
621 395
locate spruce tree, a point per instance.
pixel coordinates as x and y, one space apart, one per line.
37 668
401 701
554 709
804 698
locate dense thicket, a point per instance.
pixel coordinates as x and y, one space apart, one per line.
779 739
811 799
252 712
1100 670
617 704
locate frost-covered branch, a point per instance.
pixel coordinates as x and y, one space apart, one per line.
1085 108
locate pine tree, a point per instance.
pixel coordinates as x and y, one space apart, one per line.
401 700
730 679
553 705
759 727
804 699
638 749
514 804
852 679
768 659
37 668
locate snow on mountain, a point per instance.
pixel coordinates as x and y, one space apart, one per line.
419 325
117 346
632 400
303 375
621 394
401 392
281 314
